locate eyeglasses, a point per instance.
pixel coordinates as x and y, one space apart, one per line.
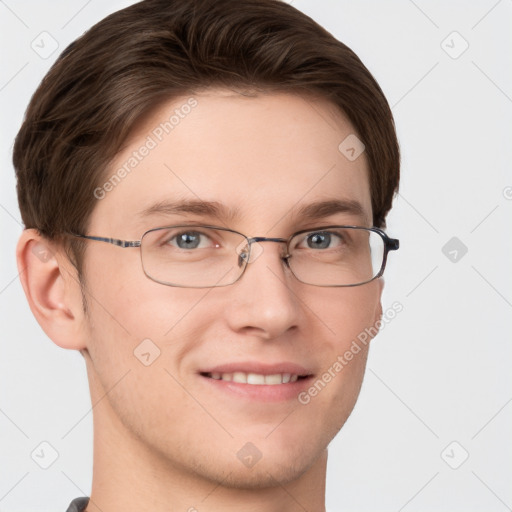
194 256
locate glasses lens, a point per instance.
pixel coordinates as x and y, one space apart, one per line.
193 256
340 256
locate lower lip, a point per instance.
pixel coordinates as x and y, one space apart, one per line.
263 392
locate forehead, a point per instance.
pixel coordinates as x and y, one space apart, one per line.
261 158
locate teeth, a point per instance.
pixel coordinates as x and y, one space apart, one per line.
239 377
255 378
273 379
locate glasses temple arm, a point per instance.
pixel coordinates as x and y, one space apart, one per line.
113 241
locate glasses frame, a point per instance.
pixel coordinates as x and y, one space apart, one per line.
390 244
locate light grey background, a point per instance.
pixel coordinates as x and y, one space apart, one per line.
438 373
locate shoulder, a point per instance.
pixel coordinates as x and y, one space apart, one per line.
78 505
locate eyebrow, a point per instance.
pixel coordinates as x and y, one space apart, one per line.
321 209
191 206
214 209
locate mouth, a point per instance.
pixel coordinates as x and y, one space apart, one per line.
257 379
258 382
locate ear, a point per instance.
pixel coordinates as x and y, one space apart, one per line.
52 289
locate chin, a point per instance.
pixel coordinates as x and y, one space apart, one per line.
273 464
265 474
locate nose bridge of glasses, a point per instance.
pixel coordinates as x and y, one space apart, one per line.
254 254
266 239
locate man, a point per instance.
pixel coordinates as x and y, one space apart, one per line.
207 181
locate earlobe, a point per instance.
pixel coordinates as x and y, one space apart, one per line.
52 291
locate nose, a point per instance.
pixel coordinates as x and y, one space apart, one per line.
264 301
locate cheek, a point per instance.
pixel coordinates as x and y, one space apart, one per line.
346 313
139 333
125 300
141 336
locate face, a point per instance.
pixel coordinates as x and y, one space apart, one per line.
263 158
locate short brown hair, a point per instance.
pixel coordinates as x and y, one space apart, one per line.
156 50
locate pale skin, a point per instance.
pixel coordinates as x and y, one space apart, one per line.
165 438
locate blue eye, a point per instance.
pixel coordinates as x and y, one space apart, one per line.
322 240
189 240
319 240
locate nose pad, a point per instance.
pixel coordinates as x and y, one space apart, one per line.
245 250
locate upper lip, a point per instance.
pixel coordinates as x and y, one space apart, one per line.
259 368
